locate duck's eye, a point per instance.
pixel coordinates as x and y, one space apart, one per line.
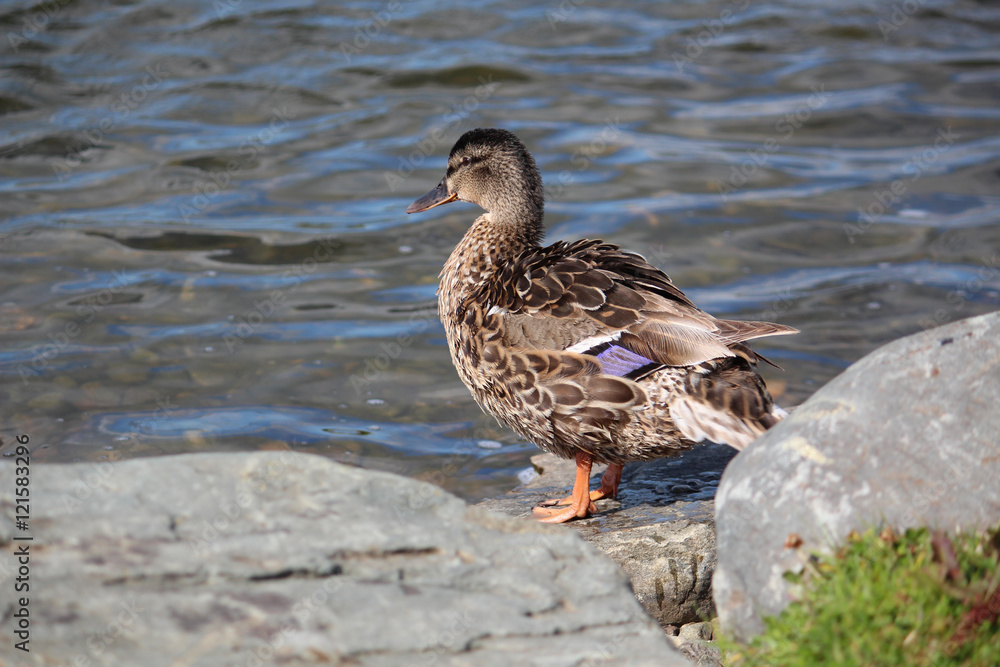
466 160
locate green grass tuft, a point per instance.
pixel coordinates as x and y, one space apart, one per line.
919 599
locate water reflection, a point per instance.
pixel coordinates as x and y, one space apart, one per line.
203 239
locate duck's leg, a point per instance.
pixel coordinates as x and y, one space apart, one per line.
609 482
609 487
580 504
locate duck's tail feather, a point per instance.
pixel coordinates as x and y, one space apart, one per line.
724 402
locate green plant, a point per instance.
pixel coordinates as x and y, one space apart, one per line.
918 599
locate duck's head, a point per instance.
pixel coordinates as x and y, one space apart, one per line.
493 169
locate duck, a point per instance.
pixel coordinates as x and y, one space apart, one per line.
581 347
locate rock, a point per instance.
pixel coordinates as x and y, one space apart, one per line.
282 558
702 653
694 641
907 436
696 632
660 530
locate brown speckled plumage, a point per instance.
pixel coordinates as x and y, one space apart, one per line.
526 325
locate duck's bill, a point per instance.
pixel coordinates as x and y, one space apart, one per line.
435 197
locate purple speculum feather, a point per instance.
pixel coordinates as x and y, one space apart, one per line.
622 362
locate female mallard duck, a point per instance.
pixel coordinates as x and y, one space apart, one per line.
582 347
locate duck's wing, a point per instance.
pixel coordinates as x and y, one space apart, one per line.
593 298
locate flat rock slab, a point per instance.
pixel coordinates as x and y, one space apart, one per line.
282 558
660 530
907 436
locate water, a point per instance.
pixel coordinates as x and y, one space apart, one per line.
204 244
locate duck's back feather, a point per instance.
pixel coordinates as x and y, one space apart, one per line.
582 295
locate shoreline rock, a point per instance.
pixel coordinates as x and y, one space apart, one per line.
251 558
262 558
907 436
660 531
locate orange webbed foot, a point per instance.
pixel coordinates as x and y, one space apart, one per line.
580 502
609 489
562 515
597 494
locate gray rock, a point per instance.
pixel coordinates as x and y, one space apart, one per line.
702 653
907 436
660 530
281 558
694 641
695 632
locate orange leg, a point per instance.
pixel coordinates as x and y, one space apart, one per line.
580 504
609 482
609 487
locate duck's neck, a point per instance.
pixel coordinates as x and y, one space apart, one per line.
517 224
515 206
488 244
491 243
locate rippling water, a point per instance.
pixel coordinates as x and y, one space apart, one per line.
204 241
